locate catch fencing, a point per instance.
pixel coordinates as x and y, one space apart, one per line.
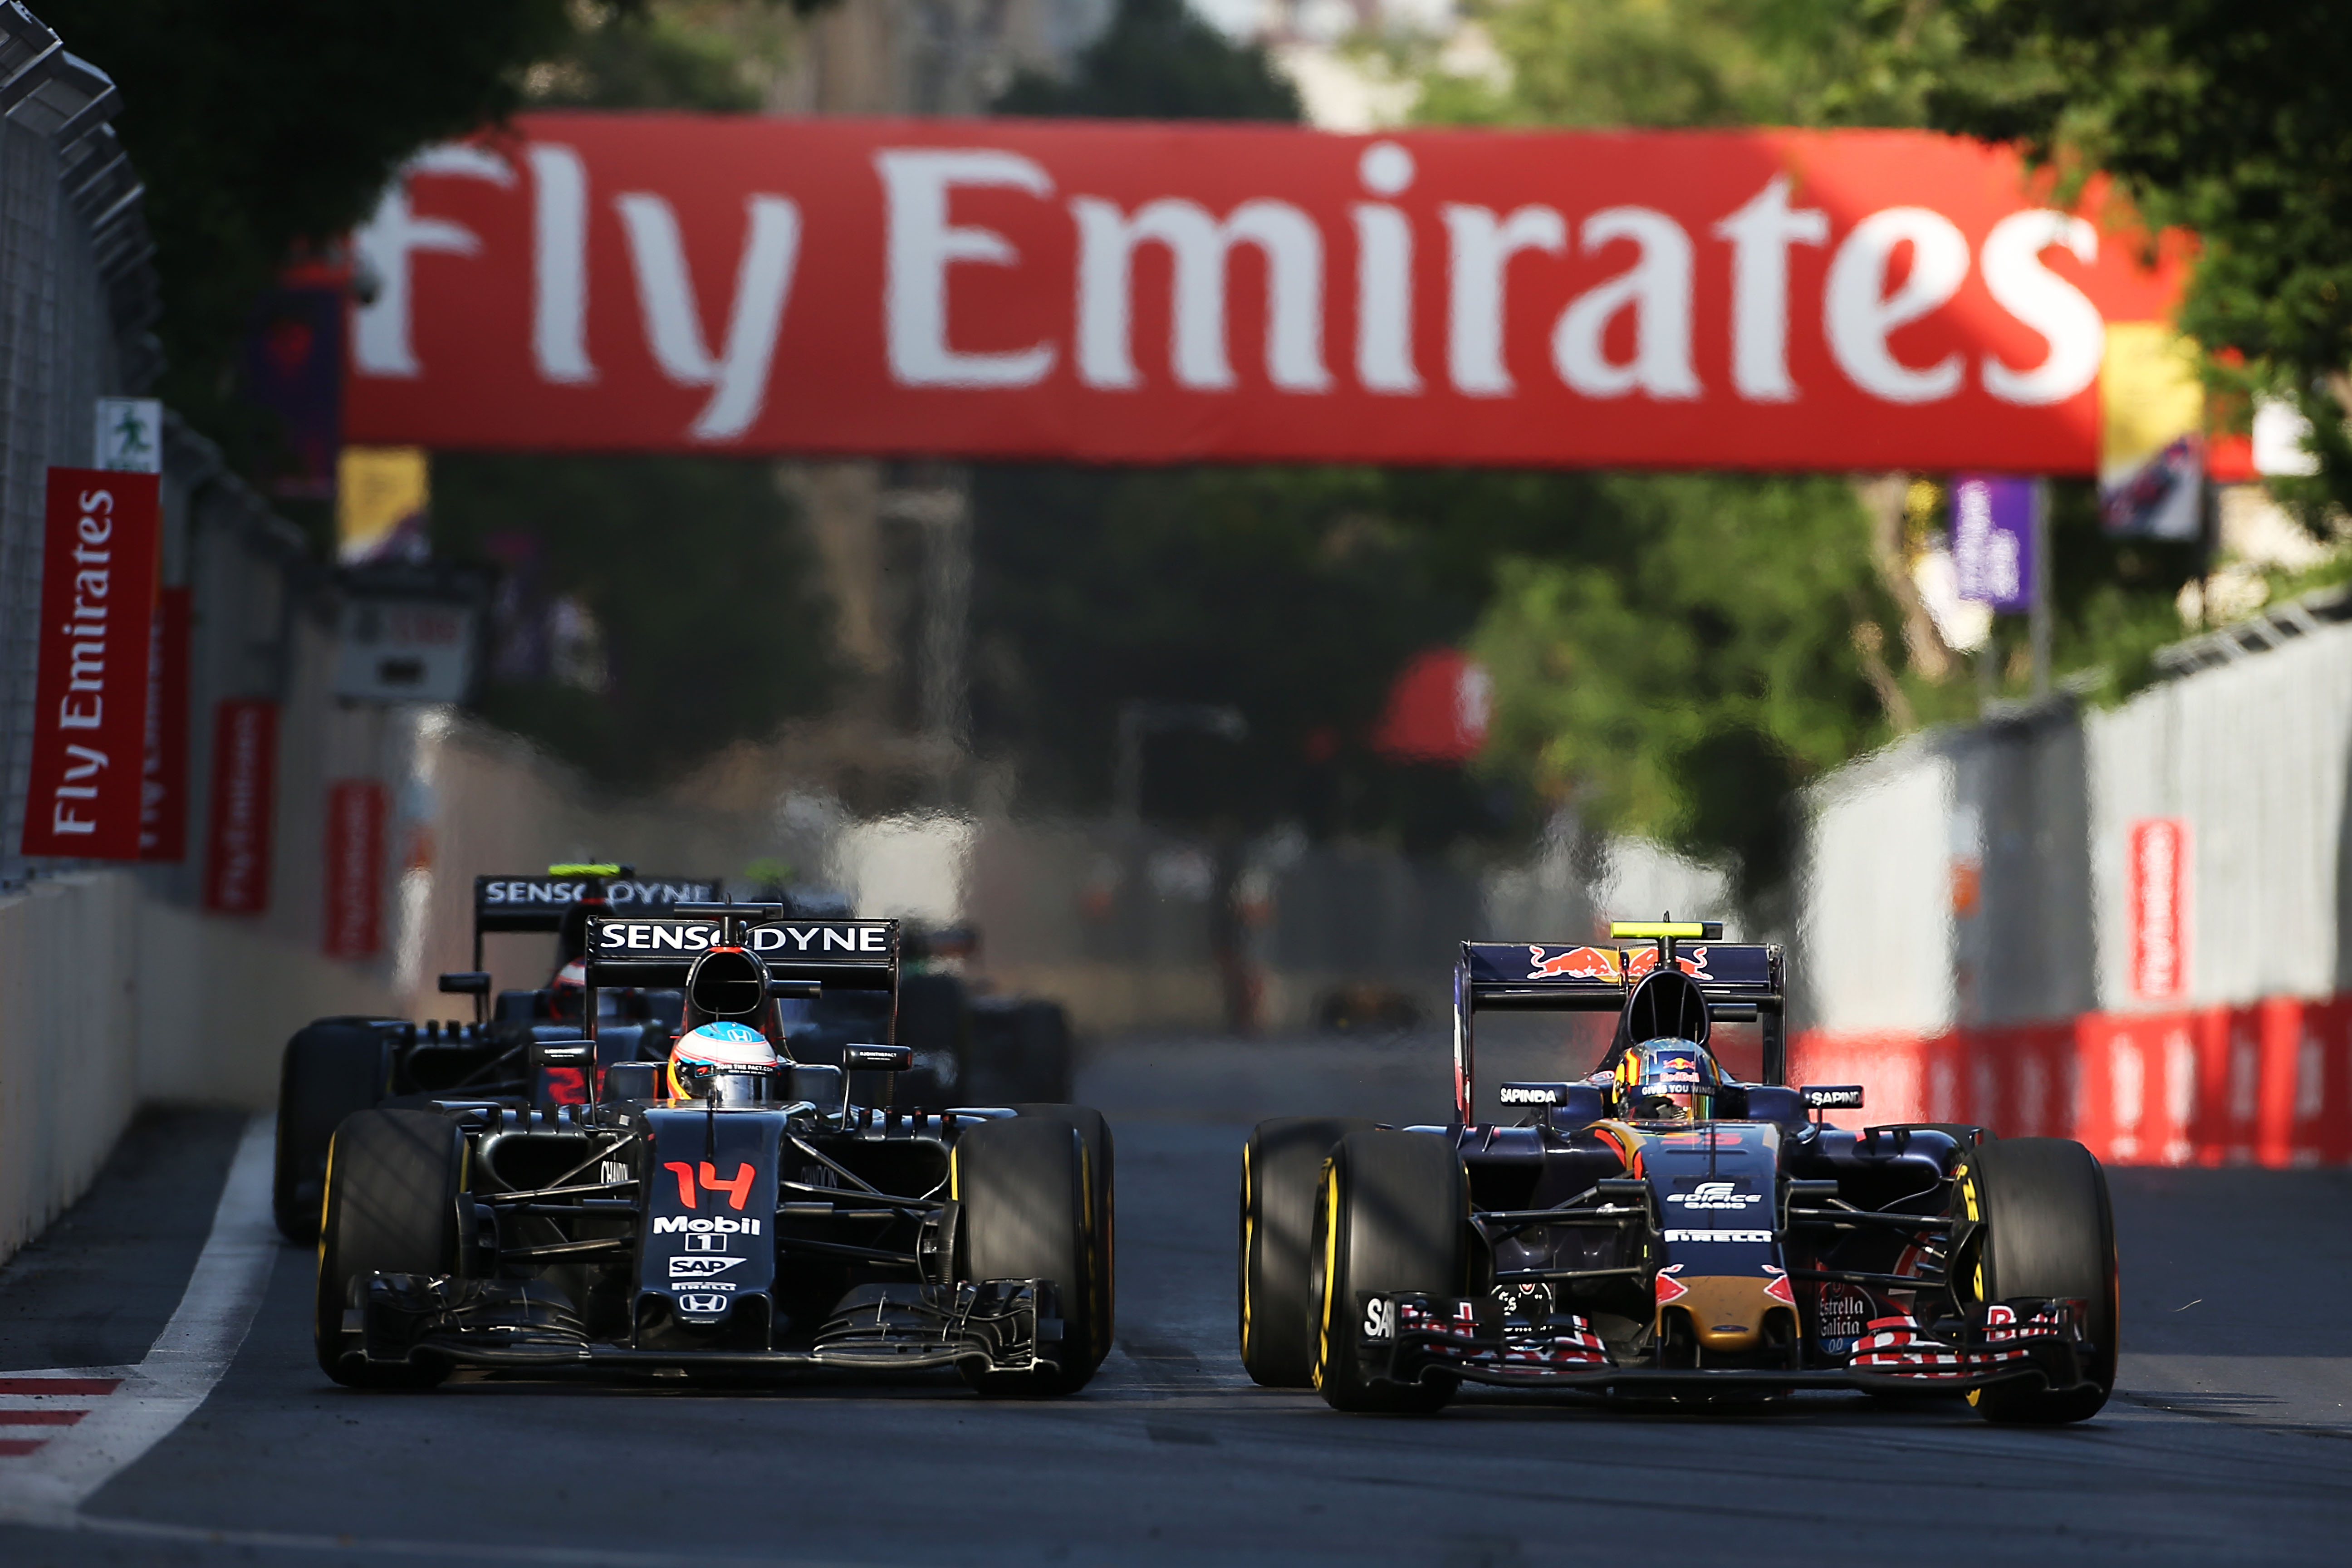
117 987
2130 927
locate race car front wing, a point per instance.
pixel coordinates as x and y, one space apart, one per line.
1406 1338
996 1325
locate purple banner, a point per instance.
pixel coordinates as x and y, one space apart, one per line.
1993 539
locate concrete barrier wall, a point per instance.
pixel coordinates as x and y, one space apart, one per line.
111 999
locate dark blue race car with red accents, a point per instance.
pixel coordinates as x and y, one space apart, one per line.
1660 1231
726 1209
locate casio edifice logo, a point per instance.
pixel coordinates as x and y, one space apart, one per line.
1716 1195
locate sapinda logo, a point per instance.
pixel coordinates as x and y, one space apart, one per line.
1380 1318
737 1187
1532 1093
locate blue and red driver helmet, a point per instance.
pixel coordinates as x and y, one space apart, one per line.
710 1052
1667 1080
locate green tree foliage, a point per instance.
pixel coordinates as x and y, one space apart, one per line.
1695 62
695 573
259 125
1705 652
1294 595
1158 60
2229 118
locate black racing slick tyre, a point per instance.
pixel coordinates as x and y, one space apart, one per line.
1021 1187
1393 1215
392 1181
1102 1216
1282 1168
2048 1230
331 1068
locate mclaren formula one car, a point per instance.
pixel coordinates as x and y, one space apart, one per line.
726 1210
333 1067
1659 1231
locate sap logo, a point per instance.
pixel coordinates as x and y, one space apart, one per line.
1533 1093
672 1225
1380 1318
699 1267
1675 1236
702 1303
705 1244
1716 1195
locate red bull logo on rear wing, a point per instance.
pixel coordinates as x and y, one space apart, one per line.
1544 974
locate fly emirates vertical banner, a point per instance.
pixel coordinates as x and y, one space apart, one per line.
100 567
1129 292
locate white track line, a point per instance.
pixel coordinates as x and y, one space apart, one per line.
49 1485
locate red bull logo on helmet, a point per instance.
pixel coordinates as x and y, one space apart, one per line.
1572 963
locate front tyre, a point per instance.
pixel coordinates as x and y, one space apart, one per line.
1022 1184
393 1180
2050 1231
331 1068
1282 1168
1102 1218
1393 1215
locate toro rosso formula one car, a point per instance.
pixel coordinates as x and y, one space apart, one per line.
726 1209
1660 1231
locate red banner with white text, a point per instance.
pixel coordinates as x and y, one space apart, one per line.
1136 292
244 794
354 860
2262 1083
164 799
99 564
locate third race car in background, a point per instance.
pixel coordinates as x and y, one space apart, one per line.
1659 1231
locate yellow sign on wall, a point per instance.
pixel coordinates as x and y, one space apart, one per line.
381 496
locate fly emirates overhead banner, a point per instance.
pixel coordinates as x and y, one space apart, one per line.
1131 292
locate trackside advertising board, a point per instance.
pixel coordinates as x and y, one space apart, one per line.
100 567
1136 292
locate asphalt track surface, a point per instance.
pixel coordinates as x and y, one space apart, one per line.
2230 1440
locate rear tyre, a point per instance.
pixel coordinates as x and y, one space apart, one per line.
1023 1187
393 1180
2049 1230
1393 1215
331 1068
1102 1218
1282 1168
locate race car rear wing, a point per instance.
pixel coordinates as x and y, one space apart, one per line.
1741 982
540 904
658 950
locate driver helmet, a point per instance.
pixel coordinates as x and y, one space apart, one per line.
711 1052
1667 1080
567 994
